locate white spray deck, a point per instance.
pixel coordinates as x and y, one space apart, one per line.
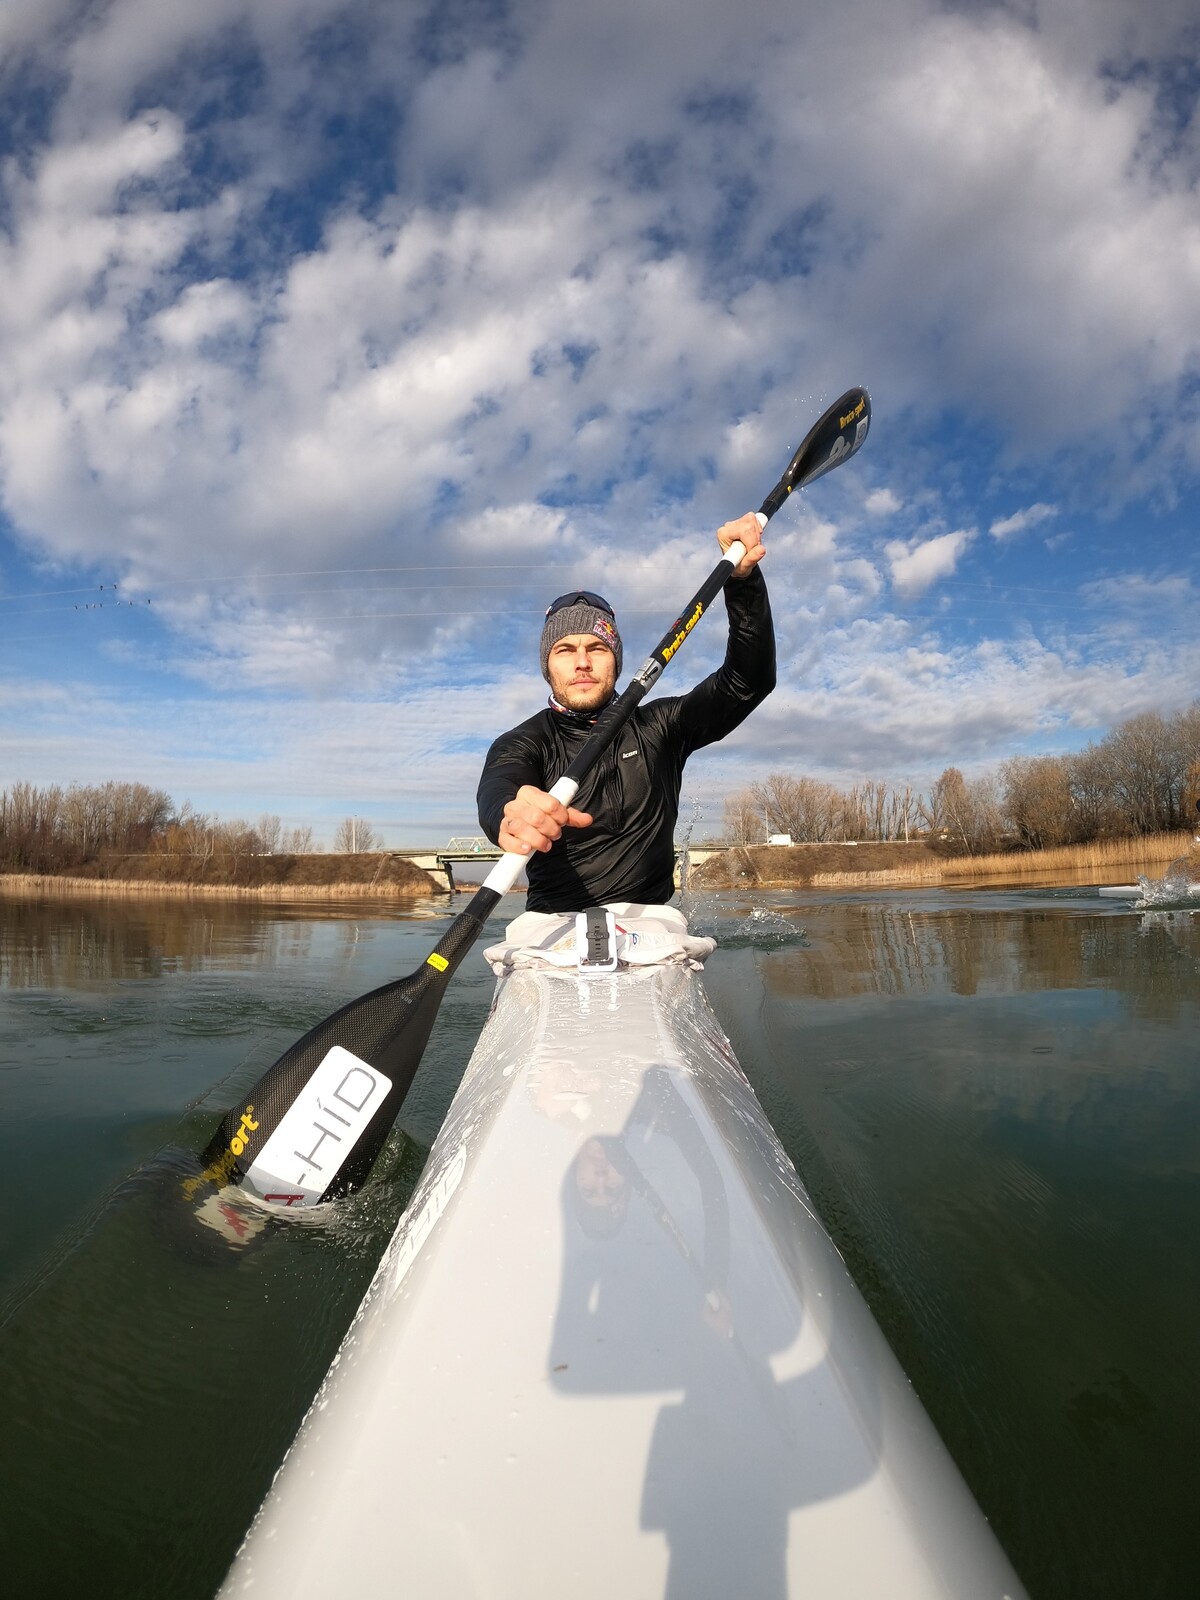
610 1352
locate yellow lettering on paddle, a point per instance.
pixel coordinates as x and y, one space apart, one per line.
247 1126
852 416
683 633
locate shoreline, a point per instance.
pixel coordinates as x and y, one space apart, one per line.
898 865
323 876
803 866
22 885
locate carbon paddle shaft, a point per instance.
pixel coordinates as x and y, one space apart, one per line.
312 1126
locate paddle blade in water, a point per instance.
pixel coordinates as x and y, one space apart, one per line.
313 1124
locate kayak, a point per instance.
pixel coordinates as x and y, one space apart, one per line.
611 1350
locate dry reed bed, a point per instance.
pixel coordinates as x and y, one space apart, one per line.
1152 850
1101 857
25 884
877 880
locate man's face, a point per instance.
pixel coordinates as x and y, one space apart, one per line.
583 672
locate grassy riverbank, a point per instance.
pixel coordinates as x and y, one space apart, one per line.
878 865
365 876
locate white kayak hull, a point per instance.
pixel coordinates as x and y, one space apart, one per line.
611 1352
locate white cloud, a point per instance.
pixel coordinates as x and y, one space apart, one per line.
205 311
1021 521
882 503
1137 591
423 344
916 565
598 271
874 706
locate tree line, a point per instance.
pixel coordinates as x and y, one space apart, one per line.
56 829
1143 777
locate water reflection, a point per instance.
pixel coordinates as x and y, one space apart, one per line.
151 1382
993 1099
82 943
875 948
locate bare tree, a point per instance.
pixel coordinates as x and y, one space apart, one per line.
1185 729
297 842
1096 811
189 833
354 835
852 814
1039 801
803 807
968 815
744 820
986 814
269 829
903 813
1144 774
31 826
1191 796
943 811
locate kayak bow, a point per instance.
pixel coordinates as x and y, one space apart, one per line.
611 1350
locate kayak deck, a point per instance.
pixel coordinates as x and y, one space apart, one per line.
610 1350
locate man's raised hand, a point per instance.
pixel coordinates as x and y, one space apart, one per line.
748 530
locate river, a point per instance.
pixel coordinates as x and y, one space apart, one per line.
993 1097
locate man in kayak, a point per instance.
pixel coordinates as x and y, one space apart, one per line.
616 843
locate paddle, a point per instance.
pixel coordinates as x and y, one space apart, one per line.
312 1126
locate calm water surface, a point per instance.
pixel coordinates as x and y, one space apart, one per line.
993 1097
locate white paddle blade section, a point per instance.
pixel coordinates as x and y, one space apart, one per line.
318 1131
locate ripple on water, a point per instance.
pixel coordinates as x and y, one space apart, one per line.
759 928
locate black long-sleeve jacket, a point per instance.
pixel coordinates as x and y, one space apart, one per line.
632 792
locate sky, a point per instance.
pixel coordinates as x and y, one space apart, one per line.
337 339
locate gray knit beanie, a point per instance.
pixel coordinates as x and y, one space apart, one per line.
579 618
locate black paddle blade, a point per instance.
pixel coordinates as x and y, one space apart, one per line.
832 439
313 1124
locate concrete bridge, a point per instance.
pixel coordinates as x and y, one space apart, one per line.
439 862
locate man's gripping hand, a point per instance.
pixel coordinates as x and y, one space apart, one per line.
533 820
747 530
